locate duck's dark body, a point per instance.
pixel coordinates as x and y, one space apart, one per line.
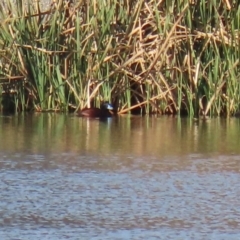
95 113
105 111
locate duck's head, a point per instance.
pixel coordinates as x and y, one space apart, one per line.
107 106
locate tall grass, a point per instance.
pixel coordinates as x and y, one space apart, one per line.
144 56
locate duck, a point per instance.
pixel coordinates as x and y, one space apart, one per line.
106 110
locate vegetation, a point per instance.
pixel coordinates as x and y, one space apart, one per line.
149 56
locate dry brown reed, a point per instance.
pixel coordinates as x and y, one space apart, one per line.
165 57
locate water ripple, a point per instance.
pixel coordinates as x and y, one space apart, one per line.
144 200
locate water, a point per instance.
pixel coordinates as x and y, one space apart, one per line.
64 177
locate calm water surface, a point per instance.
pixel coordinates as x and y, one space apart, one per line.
64 177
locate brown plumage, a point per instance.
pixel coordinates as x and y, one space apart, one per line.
105 111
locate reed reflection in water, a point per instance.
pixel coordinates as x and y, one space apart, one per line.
64 177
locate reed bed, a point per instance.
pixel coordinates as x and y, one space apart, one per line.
164 57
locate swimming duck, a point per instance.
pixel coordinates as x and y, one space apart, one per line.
105 111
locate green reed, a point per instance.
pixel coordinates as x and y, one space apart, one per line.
145 57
